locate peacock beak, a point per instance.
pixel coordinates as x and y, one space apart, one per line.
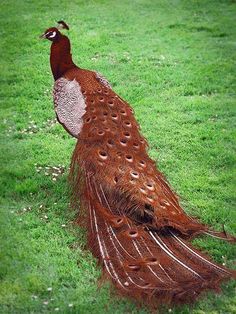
43 36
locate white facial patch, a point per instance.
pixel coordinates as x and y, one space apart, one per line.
53 35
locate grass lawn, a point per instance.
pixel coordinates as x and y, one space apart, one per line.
174 61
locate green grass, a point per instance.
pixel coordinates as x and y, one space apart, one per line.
174 61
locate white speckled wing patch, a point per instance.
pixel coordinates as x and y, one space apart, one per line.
69 105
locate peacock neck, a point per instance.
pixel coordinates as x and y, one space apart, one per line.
60 58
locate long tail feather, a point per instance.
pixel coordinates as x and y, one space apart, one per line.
149 266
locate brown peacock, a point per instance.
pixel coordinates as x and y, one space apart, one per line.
135 224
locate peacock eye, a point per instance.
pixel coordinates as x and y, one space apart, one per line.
51 34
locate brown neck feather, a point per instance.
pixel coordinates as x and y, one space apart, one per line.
60 58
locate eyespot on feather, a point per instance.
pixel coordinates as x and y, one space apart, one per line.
128 124
123 112
127 134
119 154
143 190
100 132
110 103
123 142
142 163
132 233
150 199
150 186
136 145
121 169
151 261
133 267
102 154
117 222
114 116
134 174
164 203
110 142
129 158
88 120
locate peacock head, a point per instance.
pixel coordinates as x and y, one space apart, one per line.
53 33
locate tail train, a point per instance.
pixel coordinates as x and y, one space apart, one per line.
150 266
